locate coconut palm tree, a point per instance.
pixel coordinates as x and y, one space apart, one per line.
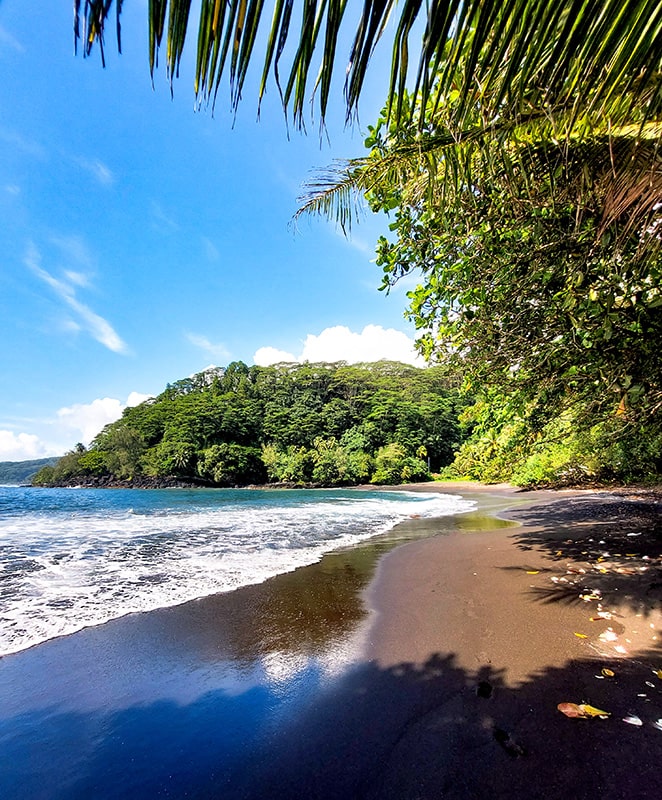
504 72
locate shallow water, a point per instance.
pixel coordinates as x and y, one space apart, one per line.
188 701
73 558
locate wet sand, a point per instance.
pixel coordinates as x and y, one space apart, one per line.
432 669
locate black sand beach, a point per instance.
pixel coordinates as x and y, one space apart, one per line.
431 670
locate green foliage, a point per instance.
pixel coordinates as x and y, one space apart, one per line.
231 465
17 472
122 447
570 448
393 465
295 423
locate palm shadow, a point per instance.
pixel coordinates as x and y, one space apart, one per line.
611 549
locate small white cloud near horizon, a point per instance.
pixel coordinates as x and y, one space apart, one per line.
216 349
89 419
99 328
21 446
80 422
339 343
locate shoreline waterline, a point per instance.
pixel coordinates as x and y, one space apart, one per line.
72 560
354 676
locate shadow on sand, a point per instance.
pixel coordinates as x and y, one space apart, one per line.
411 731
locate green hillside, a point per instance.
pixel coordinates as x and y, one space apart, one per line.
17 472
323 424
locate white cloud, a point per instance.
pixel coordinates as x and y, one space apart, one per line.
88 419
136 398
73 249
216 349
21 446
271 355
54 435
339 343
161 220
210 249
22 143
9 40
99 328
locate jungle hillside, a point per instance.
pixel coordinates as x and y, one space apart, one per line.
294 424
518 159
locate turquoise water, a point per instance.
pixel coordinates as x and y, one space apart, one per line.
74 558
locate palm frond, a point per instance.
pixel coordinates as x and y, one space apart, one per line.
334 193
509 55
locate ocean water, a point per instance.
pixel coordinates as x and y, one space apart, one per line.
73 558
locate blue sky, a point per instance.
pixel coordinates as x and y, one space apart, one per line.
142 241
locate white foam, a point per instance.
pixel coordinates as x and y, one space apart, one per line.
63 571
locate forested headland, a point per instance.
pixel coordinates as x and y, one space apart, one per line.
342 425
299 424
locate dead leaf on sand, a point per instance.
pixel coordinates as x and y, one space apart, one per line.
581 711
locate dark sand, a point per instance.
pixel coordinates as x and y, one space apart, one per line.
447 689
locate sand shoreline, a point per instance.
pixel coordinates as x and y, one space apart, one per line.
493 620
448 689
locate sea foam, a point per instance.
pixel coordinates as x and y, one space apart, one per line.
71 559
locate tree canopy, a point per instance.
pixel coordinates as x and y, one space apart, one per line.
519 159
323 424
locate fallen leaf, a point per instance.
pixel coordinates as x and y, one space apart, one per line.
532 571
608 673
581 635
658 672
592 711
581 711
632 719
570 710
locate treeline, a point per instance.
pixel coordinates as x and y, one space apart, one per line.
17 472
322 424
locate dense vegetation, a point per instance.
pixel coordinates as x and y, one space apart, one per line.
521 163
17 472
324 424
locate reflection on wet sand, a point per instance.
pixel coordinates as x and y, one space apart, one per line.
179 700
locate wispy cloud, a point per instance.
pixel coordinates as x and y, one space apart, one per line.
97 169
210 249
99 328
74 251
22 143
217 350
9 41
161 220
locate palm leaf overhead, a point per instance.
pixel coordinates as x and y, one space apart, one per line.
578 55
